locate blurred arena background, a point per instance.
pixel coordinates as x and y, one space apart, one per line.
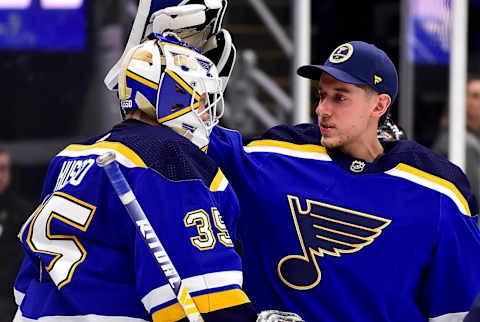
55 54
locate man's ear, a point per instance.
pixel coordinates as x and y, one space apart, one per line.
383 102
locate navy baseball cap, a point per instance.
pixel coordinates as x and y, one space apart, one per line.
358 63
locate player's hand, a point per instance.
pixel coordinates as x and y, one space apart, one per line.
278 316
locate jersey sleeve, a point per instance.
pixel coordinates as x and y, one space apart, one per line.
186 218
226 148
453 280
28 272
474 314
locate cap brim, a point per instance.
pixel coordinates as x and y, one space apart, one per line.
315 71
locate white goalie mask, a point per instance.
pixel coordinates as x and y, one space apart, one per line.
198 22
174 83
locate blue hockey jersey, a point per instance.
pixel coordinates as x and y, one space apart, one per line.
338 239
85 261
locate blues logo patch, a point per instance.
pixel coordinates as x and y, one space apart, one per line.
325 229
341 53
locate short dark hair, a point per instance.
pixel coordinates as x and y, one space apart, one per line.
369 90
473 77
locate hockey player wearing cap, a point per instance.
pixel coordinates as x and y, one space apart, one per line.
338 225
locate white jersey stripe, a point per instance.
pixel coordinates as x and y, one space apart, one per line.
164 293
18 296
429 184
290 152
78 318
450 317
223 184
99 151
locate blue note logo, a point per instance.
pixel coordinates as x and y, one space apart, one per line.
325 229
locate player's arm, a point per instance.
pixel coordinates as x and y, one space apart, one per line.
453 279
28 273
189 224
226 148
29 270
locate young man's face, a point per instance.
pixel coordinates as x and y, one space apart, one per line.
344 113
4 172
473 105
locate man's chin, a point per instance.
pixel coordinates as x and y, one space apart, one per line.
329 143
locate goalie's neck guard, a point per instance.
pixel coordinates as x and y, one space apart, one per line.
175 84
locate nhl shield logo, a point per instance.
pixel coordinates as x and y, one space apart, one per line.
357 166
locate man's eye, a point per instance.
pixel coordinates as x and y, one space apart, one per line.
320 97
340 98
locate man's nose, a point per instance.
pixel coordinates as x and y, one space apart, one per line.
323 108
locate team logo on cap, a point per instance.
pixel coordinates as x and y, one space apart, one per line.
341 53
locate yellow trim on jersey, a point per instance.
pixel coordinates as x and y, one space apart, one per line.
205 303
119 147
189 90
290 146
142 80
442 182
64 237
217 181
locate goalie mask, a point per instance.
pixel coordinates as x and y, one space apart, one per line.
198 22
173 83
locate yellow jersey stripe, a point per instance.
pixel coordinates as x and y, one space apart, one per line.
219 183
205 303
125 155
304 151
433 182
290 146
164 294
142 80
